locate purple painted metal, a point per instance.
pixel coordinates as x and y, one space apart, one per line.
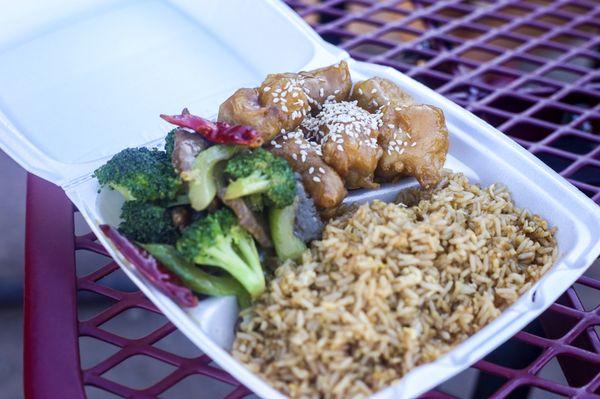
51 353
527 67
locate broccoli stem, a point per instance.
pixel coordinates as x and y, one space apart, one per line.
201 180
252 184
281 223
247 249
196 279
223 255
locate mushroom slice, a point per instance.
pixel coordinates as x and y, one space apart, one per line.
308 225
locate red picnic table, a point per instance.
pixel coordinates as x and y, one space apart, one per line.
530 68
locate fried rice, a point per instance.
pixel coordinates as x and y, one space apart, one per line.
390 287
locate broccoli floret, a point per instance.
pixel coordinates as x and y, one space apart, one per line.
140 174
255 202
201 180
261 172
147 223
170 143
218 240
281 224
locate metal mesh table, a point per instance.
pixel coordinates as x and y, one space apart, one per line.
528 67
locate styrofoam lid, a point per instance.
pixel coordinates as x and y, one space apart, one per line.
80 81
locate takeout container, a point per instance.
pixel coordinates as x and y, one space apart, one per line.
79 83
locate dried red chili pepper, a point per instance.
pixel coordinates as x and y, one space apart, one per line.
165 281
216 132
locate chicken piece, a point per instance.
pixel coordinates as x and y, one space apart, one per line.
374 93
323 184
414 141
244 108
284 99
323 83
348 137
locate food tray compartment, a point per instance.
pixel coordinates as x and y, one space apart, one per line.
476 149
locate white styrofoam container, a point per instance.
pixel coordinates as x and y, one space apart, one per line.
80 81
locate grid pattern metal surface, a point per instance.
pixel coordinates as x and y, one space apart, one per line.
527 67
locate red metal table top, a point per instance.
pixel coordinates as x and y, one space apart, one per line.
528 67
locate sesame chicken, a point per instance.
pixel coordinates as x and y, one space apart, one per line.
374 93
333 82
244 108
348 138
414 139
338 136
284 99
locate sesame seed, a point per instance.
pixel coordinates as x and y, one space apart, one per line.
359 90
295 157
397 109
266 89
321 170
311 170
321 92
413 144
373 91
340 148
275 100
390 125
316 179
337 91
284 108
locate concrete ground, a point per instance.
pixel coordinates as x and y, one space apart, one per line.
136 372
